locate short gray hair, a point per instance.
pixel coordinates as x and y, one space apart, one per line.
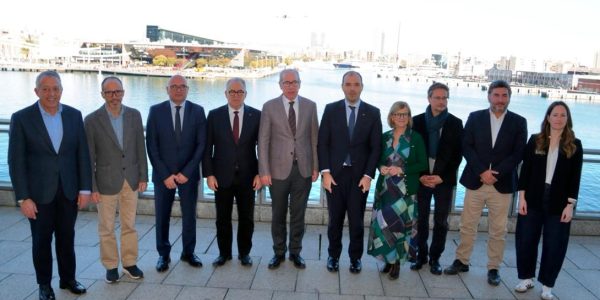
289 71
48 73
235 79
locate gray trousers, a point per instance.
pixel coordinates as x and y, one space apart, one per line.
295 188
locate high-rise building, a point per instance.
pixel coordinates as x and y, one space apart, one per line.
597 60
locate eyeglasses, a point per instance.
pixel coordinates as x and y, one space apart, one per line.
290 83
401 115
238 92
178 87
113 93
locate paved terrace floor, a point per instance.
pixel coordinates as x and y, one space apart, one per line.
578 279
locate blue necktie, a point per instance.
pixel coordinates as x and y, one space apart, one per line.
351 122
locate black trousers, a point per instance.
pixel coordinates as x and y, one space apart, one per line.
442 194
163 204
346 197
55 218
554 245
291 192
244 198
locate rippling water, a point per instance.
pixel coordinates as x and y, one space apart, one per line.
82 90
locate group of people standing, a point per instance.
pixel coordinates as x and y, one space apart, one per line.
59 162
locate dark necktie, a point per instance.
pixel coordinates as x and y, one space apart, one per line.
292 118
236 127
351 122
177 124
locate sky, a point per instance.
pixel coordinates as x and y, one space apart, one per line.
564 30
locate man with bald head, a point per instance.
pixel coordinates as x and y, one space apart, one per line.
115 135
175 138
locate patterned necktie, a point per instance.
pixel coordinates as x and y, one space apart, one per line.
292 118
236 127
177 124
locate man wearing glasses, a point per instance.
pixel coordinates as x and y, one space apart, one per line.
230 166
115 135
175 138
287 162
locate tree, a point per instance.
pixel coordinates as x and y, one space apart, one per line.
159 60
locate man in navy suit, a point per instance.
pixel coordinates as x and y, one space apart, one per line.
493 145
51 175
230 166
347 161
175 138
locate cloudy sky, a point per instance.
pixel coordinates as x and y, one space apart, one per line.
568 30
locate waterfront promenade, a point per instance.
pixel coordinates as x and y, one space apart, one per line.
578 279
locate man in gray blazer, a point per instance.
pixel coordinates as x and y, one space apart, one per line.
115 135
287 163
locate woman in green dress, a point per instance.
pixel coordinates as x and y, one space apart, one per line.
394 220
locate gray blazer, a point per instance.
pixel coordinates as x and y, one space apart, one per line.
111 165
276 143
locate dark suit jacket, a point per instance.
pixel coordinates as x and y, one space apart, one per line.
35 168
449 152
565 181
335 143
112 165
503 157
222 156
166 156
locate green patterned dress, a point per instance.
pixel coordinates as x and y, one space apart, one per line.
394 219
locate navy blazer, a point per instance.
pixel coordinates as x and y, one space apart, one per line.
35 167
449 152
223 157
334 141
166 156
565 181
504 157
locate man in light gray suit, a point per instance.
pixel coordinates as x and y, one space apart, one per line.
115 135
287 163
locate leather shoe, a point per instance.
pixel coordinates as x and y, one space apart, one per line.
191 259
386 268
46 292
417 265
455 267
73 286
246 260
355 266
275 261
221 260
298 261
493 277
163 263
333 264
434 267
394 271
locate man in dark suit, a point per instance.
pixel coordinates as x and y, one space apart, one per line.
175 138
115 135
349 148
442 132
493 145
49 166
287 163
230 166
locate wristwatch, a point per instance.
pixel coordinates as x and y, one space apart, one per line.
20 202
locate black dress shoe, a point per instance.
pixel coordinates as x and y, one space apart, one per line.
333 264
298 261
46 292
493 277
455 267
394 271
417 265
386 268
191 259
163 263
355 266
221 260
73 286
246 260
435 268
275 261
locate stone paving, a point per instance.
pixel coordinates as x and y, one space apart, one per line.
578 279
